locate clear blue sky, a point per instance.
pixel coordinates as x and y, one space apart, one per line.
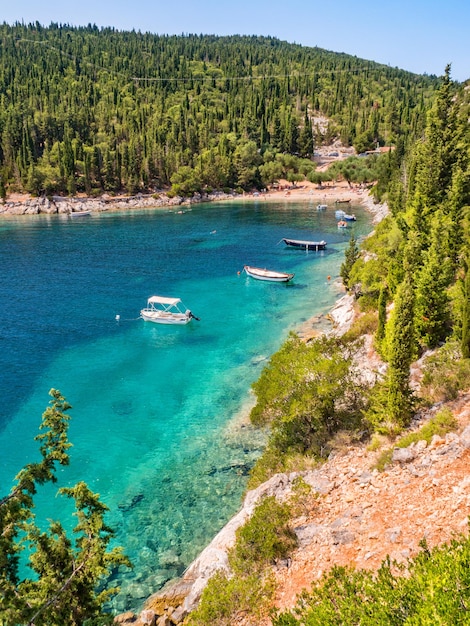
417 35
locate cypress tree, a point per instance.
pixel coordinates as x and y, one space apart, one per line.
382 311
3 190
350 257
401 352
306 137
465 343
432 301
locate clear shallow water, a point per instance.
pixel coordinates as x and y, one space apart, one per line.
156 419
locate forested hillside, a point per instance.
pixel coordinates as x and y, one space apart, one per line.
410 281
93 110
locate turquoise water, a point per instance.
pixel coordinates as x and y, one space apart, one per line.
158 412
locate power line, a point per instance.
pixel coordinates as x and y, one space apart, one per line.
188 79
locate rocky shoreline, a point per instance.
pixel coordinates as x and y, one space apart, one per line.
59 205
18 205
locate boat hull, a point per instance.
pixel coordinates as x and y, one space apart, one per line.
80 213
268 275
305 245
161 317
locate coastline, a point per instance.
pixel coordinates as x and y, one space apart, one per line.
25 205
181 596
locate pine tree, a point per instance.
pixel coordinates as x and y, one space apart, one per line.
63 586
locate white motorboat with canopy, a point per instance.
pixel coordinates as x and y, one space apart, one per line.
163 310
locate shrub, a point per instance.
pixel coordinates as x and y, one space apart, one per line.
435 590
225 600
264 539
442 423
445 374
365 324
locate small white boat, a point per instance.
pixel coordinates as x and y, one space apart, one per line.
264 274
79 213
322 207
349 218
305 245
339 214
166 311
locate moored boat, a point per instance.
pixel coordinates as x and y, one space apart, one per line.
339 214
161 310
346 201
349 218
269 275
79 213
342 224
305 245
322 207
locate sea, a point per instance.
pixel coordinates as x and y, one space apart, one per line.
159 418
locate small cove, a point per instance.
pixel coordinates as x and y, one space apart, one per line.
157 419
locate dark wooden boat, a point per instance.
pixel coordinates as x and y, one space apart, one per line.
305 245
343 201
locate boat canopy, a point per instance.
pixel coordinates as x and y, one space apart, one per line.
161 300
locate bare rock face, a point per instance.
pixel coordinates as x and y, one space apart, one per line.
343 314
61 205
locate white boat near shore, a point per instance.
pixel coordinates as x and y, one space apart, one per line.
269 275
79 213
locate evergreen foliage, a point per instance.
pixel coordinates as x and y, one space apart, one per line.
382 317
435 276
465 343
305 394
264 539
65 574
93 110
401 352
350 257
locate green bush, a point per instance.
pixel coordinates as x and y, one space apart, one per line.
225 600
264 539
433 589
365 324
445 374
442 423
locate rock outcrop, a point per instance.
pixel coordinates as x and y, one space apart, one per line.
63 205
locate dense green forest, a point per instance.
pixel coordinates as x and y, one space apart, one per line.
98 110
